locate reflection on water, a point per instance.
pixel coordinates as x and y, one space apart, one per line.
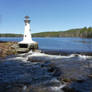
68 44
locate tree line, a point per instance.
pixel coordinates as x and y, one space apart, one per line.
79 32
10 35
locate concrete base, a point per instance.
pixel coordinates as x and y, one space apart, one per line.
22 48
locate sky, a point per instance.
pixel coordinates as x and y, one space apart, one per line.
45 15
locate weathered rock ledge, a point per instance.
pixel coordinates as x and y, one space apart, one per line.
6 49
39 72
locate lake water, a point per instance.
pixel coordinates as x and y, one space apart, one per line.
65 44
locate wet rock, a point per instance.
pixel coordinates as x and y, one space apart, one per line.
21 72
38 59
84 86
53 83
57 72
80 81
41 89
67 89
51 69
74 69
65 80
47 64
11 88
49 86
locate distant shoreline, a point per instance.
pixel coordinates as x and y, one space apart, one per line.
78 32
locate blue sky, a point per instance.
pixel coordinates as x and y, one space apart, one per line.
46 15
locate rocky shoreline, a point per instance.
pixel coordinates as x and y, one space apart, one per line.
45 71
40 72
6 49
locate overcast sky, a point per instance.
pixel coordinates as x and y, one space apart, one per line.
46 15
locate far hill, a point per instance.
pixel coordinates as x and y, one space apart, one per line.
81 32
10 35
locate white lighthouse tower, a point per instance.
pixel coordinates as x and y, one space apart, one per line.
27 41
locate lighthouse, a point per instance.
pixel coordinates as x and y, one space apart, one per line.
27 43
